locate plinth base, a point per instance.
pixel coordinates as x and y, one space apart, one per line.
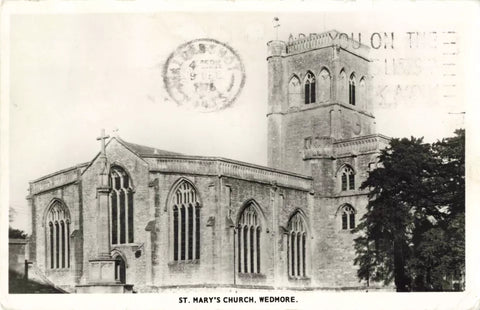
102 278
106 288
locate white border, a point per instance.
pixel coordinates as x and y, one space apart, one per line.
318 300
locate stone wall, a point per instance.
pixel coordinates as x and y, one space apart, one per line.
134 253
223 198
17 254
62 186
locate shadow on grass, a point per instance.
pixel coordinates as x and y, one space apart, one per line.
18 285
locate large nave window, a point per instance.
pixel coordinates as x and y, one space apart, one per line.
186 223
58 236
248 247
121 202
297 246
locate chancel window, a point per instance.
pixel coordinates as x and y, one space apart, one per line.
186 223
297 246
58 236
309 88
348 217
121 202
351 89
249 241
348 178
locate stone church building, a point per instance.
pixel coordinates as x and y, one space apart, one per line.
137 218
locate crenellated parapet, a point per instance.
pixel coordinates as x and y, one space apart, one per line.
303 43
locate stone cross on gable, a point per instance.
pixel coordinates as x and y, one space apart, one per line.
103 137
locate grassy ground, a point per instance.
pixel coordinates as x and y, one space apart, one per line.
18 285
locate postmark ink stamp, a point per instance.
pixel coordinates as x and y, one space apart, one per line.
204 74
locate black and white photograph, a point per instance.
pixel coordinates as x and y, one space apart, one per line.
233 155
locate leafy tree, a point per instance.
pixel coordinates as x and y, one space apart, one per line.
440 247
16 233
13 232
412 232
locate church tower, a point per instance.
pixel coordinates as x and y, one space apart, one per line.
321 124
319 94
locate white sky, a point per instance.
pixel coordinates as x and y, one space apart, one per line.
71 75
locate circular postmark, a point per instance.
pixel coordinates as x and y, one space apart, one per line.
204 74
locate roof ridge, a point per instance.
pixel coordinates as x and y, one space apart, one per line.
141 149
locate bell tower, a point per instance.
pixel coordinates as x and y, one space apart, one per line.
321 124
319 93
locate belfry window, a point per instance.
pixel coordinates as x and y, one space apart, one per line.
348 178
297 247
121 202
348 217
309 88
58 236
351 89
186 223
294 92
249 239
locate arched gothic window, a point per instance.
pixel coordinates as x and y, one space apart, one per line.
324 86
249 239
58 236
362 94
348 217
348 178
294 92
351 89
309 88
341 87
121 202
186 223
297 246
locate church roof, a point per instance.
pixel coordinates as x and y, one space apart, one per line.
142 150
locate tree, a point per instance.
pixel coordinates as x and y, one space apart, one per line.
439 250
412 230
16 233
13 232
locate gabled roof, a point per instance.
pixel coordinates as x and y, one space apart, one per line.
137 149
142 150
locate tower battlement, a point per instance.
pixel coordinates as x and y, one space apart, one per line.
303 43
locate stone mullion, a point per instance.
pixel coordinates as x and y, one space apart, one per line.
255 249
67 232
50 253
179 233
295 250
299 255
241 254
187 232
55 245
126 215
302 257
63 230
118 216
194 232
248 249
60 245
